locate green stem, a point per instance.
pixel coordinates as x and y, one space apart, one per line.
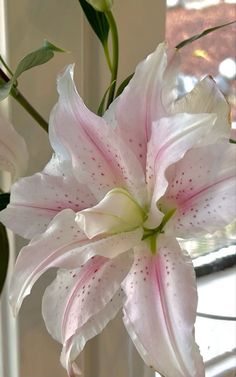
152 233
3 77
115 55
15 93
167 217
5 65
153 243
107 55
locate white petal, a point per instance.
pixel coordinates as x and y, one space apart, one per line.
160 309
141 102
202 188
117 212
62 245
207 98
37 199
100 158
79 303
13 151
93 327
171 138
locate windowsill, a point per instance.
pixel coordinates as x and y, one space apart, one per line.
217 338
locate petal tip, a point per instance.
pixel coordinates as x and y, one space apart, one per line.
65 76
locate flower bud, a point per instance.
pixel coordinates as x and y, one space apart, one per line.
116 212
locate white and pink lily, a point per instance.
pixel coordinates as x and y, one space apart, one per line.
13 150
112 201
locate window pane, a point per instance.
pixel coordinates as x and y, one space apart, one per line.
214 55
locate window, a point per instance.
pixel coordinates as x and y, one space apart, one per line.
214 54
214 255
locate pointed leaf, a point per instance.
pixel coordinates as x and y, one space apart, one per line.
124 84
97 21
4 255
198 36
33 59
100 111
50 46
101 5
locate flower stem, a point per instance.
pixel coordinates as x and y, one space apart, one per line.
15 93
153 243
3 77
107 55
5 65
115 55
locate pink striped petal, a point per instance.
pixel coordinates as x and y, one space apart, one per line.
99 157
79 303
13 150
160 309
171 138
141 102
207 98
62 245
93 327
26 221
36 200
202 186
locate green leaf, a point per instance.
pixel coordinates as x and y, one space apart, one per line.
101 109
232 141
101 5
4 255
50 46
124 84
5 89
198 36
4 200
33 59
97 21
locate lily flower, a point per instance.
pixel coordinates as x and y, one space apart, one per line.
113 200
13 150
